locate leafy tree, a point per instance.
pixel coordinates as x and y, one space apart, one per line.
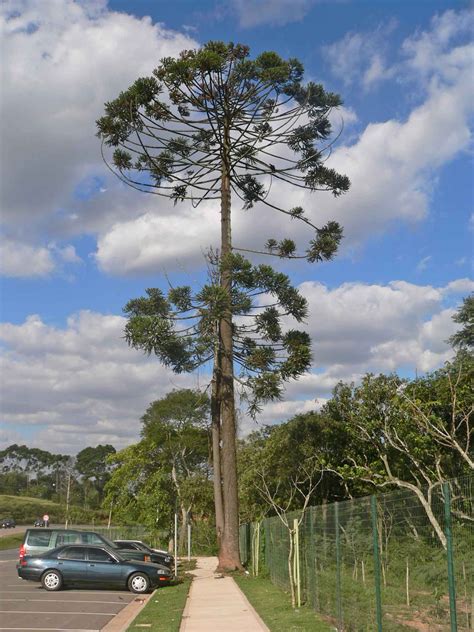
226 125
24 459
169 467
278 452
92 465
464 338
138 491
405 434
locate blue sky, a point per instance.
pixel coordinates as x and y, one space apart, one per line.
77 244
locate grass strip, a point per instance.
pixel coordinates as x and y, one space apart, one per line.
11 541
164 610
274 607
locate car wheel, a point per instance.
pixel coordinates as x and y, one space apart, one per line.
52 580
138 583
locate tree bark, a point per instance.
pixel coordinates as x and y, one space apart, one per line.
229 555
216 451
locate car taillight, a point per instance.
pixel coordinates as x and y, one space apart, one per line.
23 562
22 551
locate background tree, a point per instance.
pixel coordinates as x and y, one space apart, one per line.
228 125
279 451
92 465
178 425
169 468
464 338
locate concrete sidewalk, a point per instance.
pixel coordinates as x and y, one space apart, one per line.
216 603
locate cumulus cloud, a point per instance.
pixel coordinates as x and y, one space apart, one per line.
61 60
353 325
21 260
81 384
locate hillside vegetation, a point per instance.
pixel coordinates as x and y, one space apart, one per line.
25 510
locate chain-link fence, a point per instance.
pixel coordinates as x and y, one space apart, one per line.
397 561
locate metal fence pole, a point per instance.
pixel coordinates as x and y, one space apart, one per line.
449 553
375 536
338 567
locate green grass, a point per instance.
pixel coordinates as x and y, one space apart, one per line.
164 610
11 541
274 607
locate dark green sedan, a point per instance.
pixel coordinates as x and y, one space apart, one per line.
92 566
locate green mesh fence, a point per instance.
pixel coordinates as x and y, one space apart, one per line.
381 562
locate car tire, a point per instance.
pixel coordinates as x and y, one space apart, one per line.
138 583
52 580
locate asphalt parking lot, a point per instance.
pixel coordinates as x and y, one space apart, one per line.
26 606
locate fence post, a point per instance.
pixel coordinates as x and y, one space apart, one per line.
257 549
449 553
296 553
375 536
338 567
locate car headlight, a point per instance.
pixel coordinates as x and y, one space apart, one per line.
160 571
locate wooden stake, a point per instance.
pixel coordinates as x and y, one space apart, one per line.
408 584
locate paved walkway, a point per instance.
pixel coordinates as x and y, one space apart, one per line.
216 603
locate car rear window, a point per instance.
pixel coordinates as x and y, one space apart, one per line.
38 538
92 538
68 538
73 553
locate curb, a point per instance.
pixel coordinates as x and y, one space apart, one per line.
125 617
185 615
259 619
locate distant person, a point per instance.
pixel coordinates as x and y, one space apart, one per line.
46 520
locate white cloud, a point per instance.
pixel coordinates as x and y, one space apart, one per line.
460 286
432 52
361 57
80 385
61 60
21 260
357 328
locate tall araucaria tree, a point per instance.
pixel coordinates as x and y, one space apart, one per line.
208 125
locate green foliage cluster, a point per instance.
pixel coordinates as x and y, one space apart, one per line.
180 328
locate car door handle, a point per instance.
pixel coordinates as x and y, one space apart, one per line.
91 564
60 563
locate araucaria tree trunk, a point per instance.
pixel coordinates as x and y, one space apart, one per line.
229 555
216 449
